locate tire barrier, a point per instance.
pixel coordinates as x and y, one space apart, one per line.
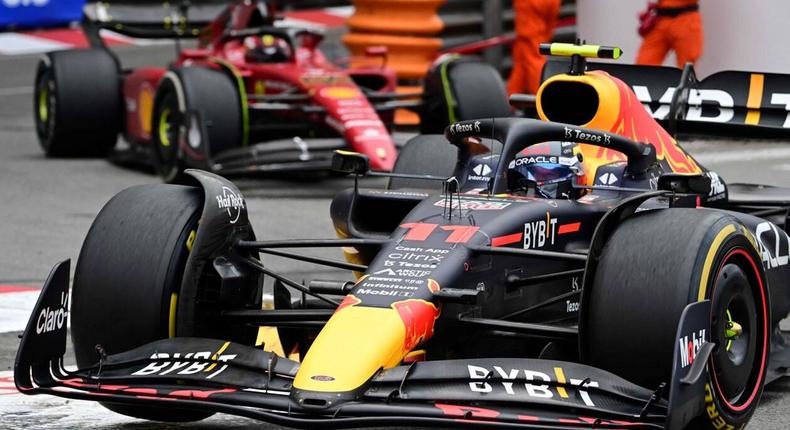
408 29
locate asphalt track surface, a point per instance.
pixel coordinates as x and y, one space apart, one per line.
46 208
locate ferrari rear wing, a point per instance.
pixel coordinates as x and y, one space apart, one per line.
740 102
214 375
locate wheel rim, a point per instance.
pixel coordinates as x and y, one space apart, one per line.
165 128
739 324
166 137
43 104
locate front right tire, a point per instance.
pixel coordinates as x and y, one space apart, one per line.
655 264
179 138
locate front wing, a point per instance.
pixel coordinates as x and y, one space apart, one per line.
219 376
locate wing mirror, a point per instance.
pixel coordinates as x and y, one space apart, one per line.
684 184
350 163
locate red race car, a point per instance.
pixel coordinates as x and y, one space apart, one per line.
251 97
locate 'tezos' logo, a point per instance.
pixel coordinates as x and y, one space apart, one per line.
231 202
690 347
578 135
53 319
167 364
537 384
460 127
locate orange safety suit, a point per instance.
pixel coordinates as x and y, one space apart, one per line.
535 21
681 33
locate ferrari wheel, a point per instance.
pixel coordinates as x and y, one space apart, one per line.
77 103
424 155
655 264
128 278
458 89
197 114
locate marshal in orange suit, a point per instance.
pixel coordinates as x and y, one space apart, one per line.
679 28
535 22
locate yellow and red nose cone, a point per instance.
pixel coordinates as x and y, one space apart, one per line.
359 340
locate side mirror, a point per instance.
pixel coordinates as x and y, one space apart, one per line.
684 184
350 163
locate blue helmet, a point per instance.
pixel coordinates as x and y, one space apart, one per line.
548 170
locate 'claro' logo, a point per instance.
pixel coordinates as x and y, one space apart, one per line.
53 319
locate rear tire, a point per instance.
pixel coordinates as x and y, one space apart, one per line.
130 266
459 89
77 103
424 155
653 265
178 144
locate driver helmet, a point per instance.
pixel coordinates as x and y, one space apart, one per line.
548 170
266 49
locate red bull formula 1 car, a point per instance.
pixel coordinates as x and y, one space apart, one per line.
251 97
577 271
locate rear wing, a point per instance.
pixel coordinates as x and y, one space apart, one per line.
149 19
732 102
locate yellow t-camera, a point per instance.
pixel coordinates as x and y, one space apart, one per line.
587 51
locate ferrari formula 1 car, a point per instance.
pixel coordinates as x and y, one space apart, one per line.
578 271
252 97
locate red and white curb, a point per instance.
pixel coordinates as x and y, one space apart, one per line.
40 41
22 412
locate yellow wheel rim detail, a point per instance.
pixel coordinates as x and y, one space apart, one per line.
164 128
43 106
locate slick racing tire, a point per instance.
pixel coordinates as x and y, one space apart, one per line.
77 103
653 265
128 277
424 155
197 114
460 89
